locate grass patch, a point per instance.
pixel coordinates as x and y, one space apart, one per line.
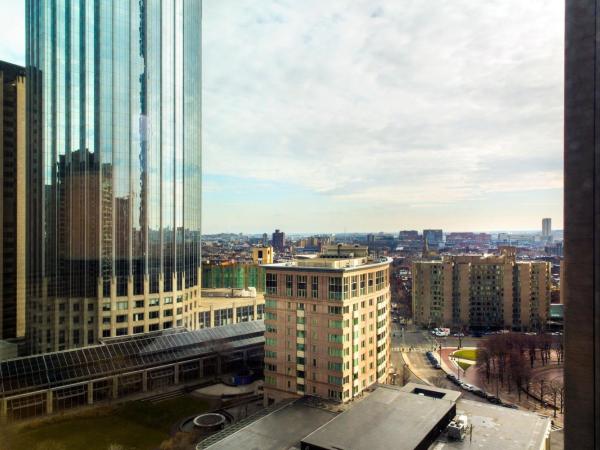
464 365
470 354
134 426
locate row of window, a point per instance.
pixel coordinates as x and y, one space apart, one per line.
338 288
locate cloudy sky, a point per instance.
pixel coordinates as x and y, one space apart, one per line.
363 115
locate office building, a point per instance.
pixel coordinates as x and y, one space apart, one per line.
581 284
482 292
278 240
13 159
434 238
223 306
114 169
547 228
327 324
262 254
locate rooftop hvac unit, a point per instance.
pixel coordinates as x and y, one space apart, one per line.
457 428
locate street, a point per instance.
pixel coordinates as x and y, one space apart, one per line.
410 345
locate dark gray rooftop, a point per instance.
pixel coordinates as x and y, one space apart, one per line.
281 429
123 354
386 418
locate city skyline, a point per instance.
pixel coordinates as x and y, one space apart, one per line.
370 116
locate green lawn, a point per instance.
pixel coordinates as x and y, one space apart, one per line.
464 365
134 426
470 354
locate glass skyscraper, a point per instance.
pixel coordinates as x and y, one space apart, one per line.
114 168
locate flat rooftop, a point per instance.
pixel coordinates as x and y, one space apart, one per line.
281 429
386 418
498 428
329 264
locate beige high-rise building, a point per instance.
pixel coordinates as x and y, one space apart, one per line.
481 291
327 324
13 156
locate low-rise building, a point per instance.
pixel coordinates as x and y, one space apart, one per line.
481 292
327 324
225 306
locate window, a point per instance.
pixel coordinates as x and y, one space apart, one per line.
370 281
224 317
122 305
354 286
167 325
168 301
289 282
121 331
271 342
105 333
122 318
153 315
270 354
260 312
315 287
335 288
245 313
379 279
346 288
90 307
168 313
154 302
300 306
300 334
335 351
138 329
335 310
153 327
138 316
270 303
334 380
363 283
204 319
271 367
139 303
334 366
301 285
336 324
271 283
106 320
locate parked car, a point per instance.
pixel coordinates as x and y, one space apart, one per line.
494 400
451 377
459 335
510 405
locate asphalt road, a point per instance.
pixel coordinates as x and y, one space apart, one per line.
411 345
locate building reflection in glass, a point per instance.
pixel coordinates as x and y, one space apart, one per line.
114 167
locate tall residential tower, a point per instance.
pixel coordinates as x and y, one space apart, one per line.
114 169
327 325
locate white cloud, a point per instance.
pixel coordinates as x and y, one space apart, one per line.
430 102
12 31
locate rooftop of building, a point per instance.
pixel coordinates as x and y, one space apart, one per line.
414 416
122 354
282 428
335 257
498 428
387 415
216 293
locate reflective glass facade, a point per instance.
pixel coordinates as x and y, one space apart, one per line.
114 154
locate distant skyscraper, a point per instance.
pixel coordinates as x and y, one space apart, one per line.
13 158
115 168
433 237
546 227
278 239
